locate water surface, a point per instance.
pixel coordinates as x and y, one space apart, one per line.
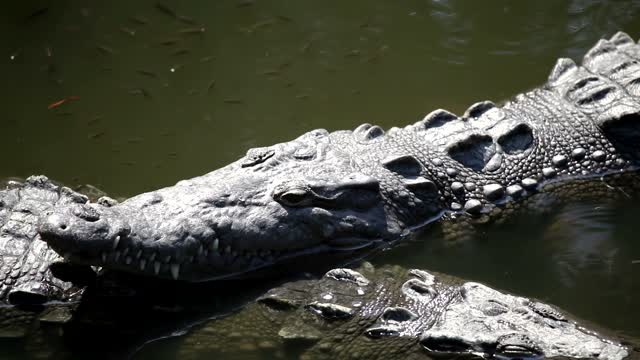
130 98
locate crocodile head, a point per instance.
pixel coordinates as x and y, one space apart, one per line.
294 199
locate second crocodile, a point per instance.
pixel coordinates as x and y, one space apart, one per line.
393 313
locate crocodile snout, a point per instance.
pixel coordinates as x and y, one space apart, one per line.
54 225
68 220
68 226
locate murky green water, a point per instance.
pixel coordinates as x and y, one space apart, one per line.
130 98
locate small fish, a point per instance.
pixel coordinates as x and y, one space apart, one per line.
62 101
105 49
135 140
140 91
186 20
261 24
207 59
353 53
128 31
284 65
147 73
170 41
193 30
48 51
182 51
96 136
166 10
233 101
210 86
284 18
635 262
371 59
94 120
302 96
192 92
270 72
139 20
36 14
244 3
176 67
306 46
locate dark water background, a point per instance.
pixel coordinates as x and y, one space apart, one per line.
152 99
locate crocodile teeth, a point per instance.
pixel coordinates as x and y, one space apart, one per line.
143 264
200 250
152 257
103 256
175 271
128 260
227 249
116 257
116 241
156 267
214 246
138 254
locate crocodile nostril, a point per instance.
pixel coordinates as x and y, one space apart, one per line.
63 226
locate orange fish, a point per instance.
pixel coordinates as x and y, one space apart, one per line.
60 102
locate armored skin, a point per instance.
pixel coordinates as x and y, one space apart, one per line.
337 193
27 264
368 313
394 313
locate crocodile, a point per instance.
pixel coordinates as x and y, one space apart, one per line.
335 194
386 312
390 313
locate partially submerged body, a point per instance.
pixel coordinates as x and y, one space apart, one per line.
345 192
393 313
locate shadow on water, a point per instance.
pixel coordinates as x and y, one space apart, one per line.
132 96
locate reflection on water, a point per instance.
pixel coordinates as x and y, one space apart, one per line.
132 96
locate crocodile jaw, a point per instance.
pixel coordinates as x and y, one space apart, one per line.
189 246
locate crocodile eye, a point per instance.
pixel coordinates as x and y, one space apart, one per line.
294 197
517 346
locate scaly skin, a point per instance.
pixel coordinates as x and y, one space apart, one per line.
332 193
25 260
392 313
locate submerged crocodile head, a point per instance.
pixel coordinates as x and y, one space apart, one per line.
293 199
394 313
